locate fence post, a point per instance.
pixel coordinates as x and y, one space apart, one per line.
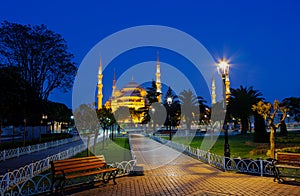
4 152
7 180
38 147
261 167
198 153
18 152
208 157
31 170
224 163
48 160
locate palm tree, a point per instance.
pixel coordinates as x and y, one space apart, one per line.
240 104
189 103
204 109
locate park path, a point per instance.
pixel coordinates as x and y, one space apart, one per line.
168 172
18 162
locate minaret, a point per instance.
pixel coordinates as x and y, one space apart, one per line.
213 92
100 85
114 84
158 82
227 90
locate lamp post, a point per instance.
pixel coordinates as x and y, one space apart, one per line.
153 119
44 119
24 134
169 102
223 69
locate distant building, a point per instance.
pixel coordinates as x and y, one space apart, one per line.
132 95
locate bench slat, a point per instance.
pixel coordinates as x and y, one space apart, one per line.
288 159
287 166
79 159
80 167
70 163
77 169
90 173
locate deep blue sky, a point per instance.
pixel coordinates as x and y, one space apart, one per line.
261 38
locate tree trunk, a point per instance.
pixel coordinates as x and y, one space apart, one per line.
283 129
103 139
245 125
272 142
88 146
0 130
260 132
95 142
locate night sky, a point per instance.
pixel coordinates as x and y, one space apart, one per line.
260 38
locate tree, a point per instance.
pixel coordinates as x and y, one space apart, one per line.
204 110
265 109
189 104
260 134
87 122
173 109
40 55
122 114
17 100
293 103
152 97
106 119
57 112
152 94
240 104
283 129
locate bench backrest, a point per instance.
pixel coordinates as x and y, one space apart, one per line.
77 164
288 158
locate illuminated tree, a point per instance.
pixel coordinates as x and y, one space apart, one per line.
268 112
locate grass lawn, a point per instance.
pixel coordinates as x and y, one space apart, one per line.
243 145
114 151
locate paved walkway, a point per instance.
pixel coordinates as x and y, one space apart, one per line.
168 172
18 162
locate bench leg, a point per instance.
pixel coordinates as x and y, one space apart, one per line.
277 175
59 188
110 175
114 173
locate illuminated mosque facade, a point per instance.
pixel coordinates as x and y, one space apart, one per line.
133 96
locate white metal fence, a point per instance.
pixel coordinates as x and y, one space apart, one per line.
16 152
32 179
249 166
41 183
13 178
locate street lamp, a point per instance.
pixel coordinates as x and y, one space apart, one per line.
223 70
169 102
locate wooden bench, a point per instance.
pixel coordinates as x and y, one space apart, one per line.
63 170
285 161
